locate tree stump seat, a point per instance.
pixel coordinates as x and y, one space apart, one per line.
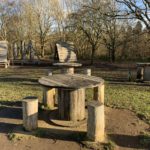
96 122
30 113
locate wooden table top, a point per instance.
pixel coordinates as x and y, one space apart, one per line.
143 64
74 81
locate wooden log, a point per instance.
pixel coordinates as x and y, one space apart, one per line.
50 73
30 113
96 122
63 100
87 72
99 93
74 109
71 104
6 65
81 104
69 70
48 97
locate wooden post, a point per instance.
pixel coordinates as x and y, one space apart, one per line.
77 105
6 66
50 73
69 70
87 72
96 122
71 104
30 113
99 93
48 97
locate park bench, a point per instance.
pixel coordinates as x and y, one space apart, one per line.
3 54
143 71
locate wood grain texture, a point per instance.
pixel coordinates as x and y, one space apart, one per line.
143 64
71 104
75 81
99 93
49 97
30 113
66 52
69 70
96 122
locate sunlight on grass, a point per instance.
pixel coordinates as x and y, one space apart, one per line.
132 97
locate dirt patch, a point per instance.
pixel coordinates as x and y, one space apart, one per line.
122 126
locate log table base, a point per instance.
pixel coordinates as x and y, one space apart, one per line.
71 104
99 93
71 93
69 70
54 118
49 97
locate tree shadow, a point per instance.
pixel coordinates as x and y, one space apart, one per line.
17 79
48 133
11 110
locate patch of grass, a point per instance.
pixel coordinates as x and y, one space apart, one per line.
109 146
13 137
99 146
133 97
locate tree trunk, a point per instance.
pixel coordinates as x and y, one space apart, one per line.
42 46
42 50
93 54
113 57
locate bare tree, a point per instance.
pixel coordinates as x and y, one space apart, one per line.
88 20
5 15
140 9
112 29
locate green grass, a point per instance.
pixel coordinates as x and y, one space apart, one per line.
133 97
15 84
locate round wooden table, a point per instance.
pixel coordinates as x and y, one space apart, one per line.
71 93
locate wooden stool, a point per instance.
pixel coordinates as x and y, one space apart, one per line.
87 72
30 113
96 122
